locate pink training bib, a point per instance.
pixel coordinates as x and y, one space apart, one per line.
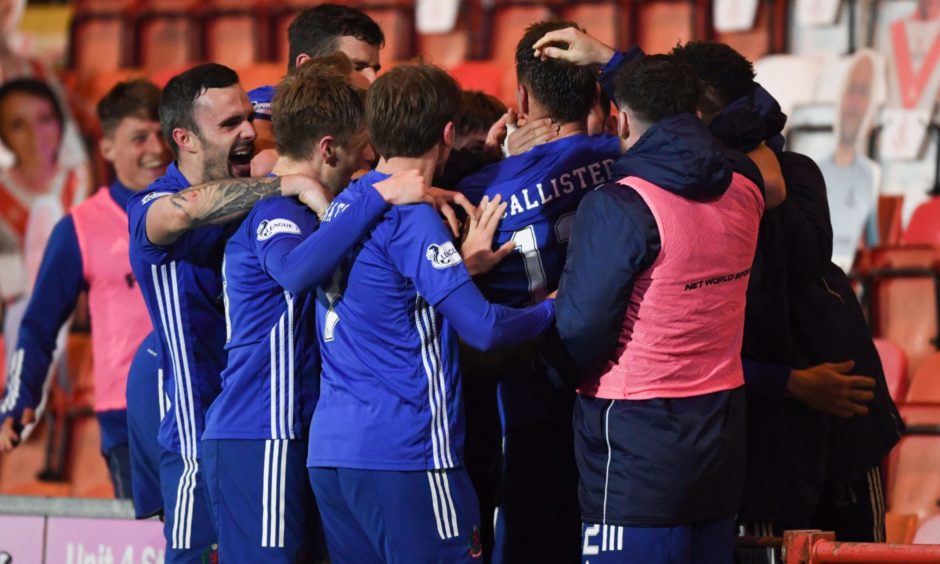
684 324
119 317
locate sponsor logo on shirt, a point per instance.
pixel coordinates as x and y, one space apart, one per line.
443 256
271 227
153 196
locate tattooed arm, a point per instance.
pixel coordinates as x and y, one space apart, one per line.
223 201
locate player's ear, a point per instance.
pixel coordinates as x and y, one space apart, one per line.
185 139
106 146
327 149
522 99
623 125
450 133
300 59
611 125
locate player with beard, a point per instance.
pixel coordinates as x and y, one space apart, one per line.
272 264
178 234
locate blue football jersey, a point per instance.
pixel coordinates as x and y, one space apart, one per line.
390 387
182 287
543 188
269 386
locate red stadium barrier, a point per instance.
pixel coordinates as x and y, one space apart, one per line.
820 547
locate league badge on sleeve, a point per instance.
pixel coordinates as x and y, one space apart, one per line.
443 256
153 196
271 227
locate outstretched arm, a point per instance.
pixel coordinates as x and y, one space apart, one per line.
485 326
58 285
223 201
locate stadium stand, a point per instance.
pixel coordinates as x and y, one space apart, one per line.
901 285
925 384
900 528
924 226
894 362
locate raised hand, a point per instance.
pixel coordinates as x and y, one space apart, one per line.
583 50
477 244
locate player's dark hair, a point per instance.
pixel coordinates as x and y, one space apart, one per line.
725 74
478 112
33 87
604 100
137 98
656 87
564 89
180 93
408 107
316 31
313 101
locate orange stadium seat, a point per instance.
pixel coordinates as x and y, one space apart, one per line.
262 74
903 298
398 23
510 19
161 76
889 219
899 527
608 21
450 49
659 25
928 532
99 41
925 384
485 76
445 49
755 42
894 362
914 483
92 86
167 39
234 36
924 226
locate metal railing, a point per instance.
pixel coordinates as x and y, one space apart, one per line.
820 547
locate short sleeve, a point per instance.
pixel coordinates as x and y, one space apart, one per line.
422 250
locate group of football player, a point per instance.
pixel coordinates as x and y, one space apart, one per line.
393 321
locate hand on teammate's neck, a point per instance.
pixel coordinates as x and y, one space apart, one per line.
565 129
